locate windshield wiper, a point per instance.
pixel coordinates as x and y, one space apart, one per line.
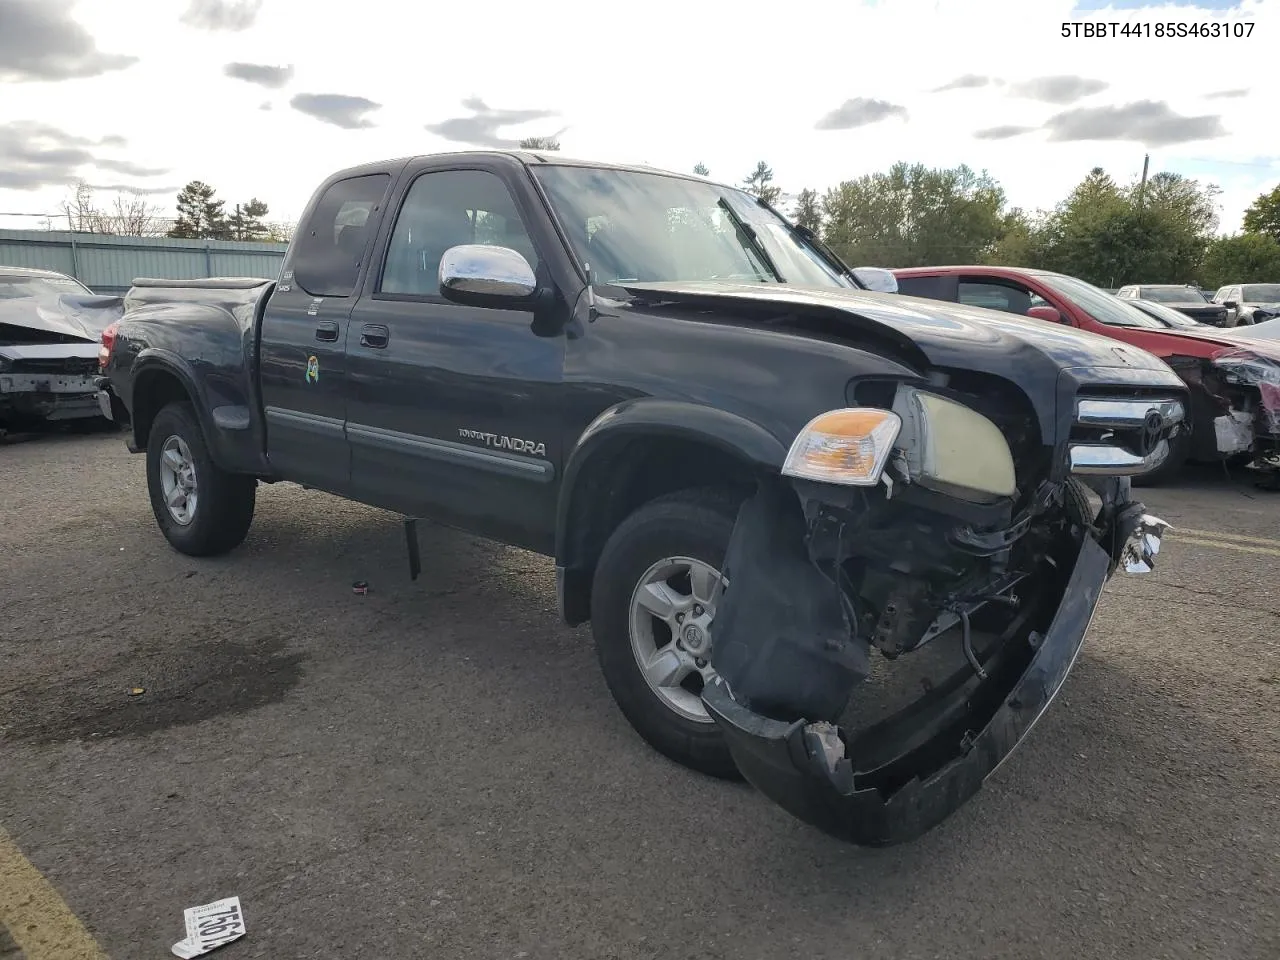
753 239
819 245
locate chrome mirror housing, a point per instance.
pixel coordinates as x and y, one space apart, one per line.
877 279
480 271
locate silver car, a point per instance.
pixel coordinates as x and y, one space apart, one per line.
1249 302
50 328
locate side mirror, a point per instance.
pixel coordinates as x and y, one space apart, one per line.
1230 304
484 275
877 279
1045 313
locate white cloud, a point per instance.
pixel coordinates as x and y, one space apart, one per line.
680 83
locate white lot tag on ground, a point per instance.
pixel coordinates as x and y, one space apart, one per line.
210 926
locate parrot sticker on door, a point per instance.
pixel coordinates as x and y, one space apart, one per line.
313 369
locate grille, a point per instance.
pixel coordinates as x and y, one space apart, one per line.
1124 435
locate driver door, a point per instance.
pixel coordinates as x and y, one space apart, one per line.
454 411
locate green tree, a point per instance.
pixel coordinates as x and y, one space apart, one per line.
808 211
1022 241
1177 217
1110 234
539 143
701 170
913 215
1263 215
200 214
760 184
1241 258
246 221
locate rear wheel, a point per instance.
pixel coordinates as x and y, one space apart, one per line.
653 601
202 510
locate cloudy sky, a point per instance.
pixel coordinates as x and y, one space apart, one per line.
266 97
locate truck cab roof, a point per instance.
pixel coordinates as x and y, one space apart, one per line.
527 158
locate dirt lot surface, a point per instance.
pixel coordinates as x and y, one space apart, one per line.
437 770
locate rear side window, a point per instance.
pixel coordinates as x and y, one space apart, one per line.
931 288
327 258
995 296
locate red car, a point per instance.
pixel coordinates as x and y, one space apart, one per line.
1234 380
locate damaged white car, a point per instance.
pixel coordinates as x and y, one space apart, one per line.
50 327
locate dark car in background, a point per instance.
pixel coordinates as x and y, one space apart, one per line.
1248 303
1182 297
1168 316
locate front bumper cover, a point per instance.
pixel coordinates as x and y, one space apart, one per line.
920 765
47 396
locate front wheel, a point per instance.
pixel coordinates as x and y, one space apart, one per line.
653 600
202 510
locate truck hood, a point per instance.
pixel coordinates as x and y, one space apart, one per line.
45 319
945 334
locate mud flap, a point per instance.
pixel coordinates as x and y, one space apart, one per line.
897 780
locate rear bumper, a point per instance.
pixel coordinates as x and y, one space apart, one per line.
911 771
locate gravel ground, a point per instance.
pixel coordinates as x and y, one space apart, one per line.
437 770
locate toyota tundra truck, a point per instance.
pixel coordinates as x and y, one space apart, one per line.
759 479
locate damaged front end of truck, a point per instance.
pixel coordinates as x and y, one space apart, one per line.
917 523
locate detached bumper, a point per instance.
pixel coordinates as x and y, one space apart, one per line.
895 781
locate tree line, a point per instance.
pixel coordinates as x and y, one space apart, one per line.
1161 230
201 216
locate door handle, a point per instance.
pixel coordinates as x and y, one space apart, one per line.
374 335
327 330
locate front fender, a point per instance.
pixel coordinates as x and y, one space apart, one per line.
677 419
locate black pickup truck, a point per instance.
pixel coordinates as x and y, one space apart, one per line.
750 469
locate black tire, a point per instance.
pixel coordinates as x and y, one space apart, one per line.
224 501
692 523
1179 452
1077 503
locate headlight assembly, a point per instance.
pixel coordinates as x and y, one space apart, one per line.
944 445
952 448
1247 367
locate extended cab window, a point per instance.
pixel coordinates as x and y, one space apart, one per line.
327 257
443 210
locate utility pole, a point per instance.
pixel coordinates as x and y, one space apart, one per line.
1142 188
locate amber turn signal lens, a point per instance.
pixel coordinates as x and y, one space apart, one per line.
849 446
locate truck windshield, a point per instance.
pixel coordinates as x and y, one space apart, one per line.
651 228
1102 306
